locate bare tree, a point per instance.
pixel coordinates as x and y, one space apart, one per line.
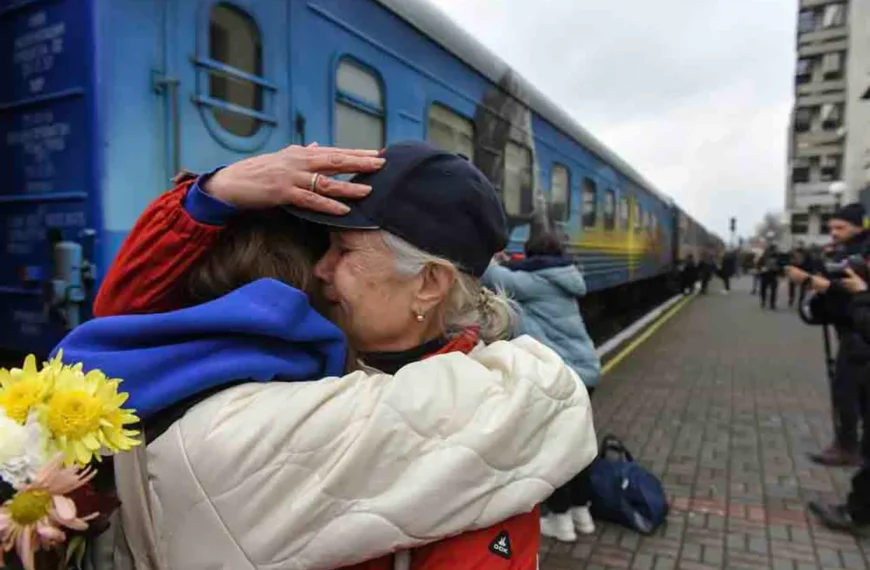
771 227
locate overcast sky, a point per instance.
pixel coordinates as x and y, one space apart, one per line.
695 94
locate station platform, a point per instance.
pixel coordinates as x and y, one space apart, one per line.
723 402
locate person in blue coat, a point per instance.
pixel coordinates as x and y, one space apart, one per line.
546 287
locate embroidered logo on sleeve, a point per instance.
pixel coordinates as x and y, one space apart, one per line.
501 546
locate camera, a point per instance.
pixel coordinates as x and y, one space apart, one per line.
837 269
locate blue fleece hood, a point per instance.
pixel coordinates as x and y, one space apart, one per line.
259 332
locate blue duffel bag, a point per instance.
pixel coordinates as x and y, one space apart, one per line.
624 492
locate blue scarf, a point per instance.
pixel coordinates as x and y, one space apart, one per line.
263 331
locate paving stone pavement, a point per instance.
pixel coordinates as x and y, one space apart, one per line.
723 403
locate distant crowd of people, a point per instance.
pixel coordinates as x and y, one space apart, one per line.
693 273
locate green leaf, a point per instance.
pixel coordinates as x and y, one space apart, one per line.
75 550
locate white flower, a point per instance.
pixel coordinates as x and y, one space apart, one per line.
23 449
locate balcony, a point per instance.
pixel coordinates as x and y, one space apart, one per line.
812 100
823 48
818 85
809 194
818 137
823 35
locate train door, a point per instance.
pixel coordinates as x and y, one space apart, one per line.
49 192
224 83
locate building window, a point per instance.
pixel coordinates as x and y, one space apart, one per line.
803 119
517 191
800 224
359 107
804 70
824 221
807 21
609 210
832 65
800 172
234 41
832 116
590 203
830 168
834 16
623 213
451 131
560 188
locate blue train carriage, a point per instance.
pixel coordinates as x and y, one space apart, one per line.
695 240
108 99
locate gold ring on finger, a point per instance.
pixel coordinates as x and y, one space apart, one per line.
315 178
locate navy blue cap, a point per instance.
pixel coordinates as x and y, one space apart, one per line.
435 200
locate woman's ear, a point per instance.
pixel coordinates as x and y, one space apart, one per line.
435 283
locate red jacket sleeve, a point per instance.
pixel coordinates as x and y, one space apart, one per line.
511 545
163 245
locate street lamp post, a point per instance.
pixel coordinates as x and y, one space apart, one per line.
837 189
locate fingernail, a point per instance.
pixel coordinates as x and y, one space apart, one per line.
378 161
342 209
363 189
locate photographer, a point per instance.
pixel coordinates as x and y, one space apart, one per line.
770 267
831 305
854 515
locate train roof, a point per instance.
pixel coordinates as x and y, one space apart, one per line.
430 20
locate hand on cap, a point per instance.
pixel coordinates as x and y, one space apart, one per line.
285 178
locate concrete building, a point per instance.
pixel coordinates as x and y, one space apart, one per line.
829 142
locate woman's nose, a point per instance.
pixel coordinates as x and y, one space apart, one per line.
323 269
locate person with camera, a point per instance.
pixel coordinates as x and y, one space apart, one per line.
799 258
853 515
770 270
831 305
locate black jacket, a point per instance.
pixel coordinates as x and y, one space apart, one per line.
840 308
834 306
860 310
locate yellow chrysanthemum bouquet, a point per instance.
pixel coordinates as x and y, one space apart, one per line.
56 424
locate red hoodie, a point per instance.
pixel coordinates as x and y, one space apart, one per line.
162 247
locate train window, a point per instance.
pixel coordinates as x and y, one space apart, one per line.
234 41
450 131
560 186
359 107
609 210
623 213
637 214
517 179
590 203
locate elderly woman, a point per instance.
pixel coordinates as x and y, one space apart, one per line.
547 286
442 462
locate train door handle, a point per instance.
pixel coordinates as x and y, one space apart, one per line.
168 86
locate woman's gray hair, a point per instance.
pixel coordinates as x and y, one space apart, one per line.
468 302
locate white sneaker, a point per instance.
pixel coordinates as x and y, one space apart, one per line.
582 520
560 527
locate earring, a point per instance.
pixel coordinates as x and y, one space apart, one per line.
420 317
